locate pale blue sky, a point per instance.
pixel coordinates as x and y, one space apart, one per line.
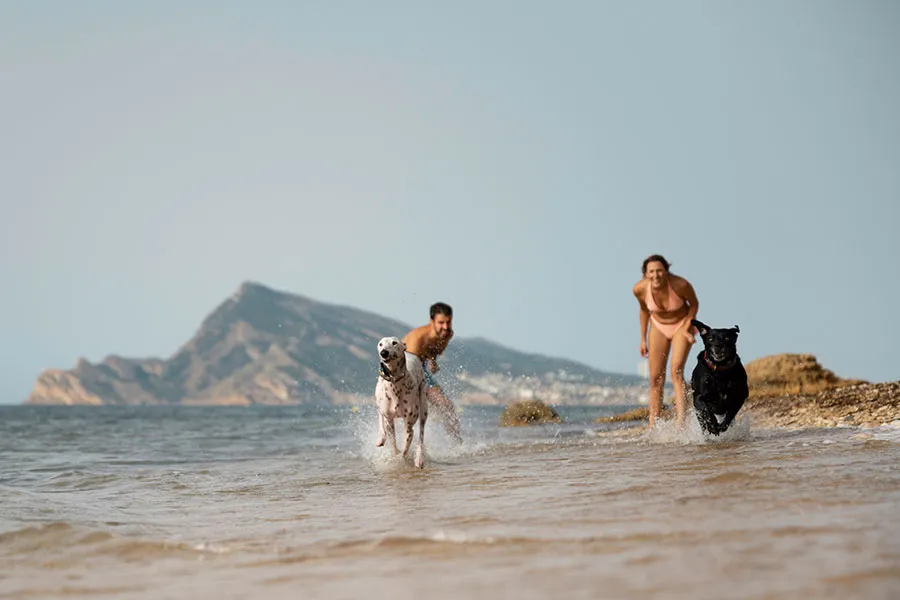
517 160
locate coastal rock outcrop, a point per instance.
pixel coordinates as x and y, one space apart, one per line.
55 386
781 374
528 412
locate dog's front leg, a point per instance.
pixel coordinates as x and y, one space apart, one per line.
382 433
735 407
407 441
420 445
736 395
391 435
706 415
423 417
729 417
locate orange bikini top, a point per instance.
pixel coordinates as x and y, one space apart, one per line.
673 302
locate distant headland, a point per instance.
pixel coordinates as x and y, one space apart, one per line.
263 346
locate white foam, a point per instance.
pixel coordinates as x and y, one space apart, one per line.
439 447
459 537
667 431
212 548
889 432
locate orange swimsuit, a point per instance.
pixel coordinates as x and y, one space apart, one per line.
673 302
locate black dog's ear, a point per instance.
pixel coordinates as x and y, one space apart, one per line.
736 329
703 328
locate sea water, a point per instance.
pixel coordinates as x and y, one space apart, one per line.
297 502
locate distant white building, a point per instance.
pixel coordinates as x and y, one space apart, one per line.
644 369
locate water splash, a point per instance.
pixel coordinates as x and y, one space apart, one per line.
362 427
667 432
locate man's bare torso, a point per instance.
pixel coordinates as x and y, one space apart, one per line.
425 343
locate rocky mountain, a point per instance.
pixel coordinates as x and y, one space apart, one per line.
263 346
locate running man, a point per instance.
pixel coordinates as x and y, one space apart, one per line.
428 342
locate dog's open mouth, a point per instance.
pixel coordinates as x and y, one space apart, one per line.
719 354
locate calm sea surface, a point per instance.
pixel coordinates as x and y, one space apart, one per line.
296 502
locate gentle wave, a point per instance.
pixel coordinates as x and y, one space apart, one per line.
53 539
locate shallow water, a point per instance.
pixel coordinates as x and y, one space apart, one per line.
230 502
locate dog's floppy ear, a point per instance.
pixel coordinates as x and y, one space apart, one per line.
703 328
402 345
736 329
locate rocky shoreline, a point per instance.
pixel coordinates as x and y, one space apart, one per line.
795 391
866 405
861 405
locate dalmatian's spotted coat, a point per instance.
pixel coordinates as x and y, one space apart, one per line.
400 394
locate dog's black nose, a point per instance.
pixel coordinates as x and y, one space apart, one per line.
385 354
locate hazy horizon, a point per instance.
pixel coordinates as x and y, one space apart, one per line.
517 161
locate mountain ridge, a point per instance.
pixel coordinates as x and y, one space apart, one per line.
265 346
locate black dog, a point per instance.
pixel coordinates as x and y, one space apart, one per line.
719 381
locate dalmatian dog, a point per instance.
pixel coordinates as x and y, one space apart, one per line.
400 394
